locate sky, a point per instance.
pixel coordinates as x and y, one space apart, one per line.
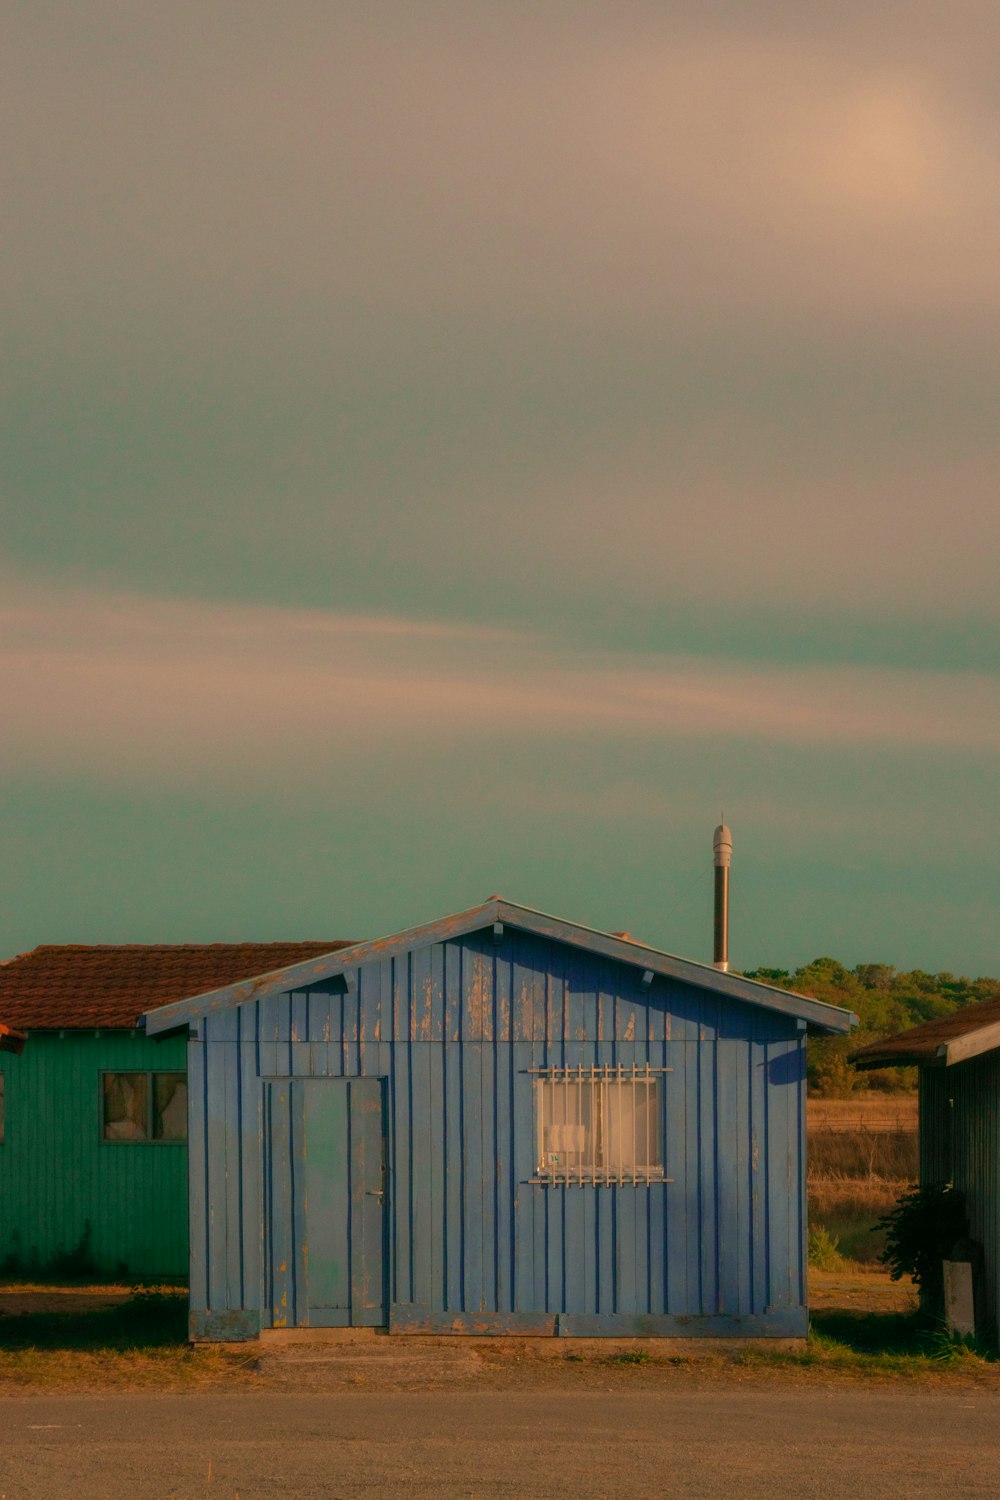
468 448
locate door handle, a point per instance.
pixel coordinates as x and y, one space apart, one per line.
375 1192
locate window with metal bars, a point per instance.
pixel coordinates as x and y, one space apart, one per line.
598 1124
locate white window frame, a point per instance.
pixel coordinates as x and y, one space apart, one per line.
602 1090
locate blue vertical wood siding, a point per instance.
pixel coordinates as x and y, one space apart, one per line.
454 1029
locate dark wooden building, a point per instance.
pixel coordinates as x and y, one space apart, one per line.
958 1063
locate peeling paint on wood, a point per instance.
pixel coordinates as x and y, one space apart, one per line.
469 1241
205 1326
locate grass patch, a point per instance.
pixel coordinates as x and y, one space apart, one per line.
879 1344
147 1320
855 1179
847 1211
139 1343
174 1368
824 1249
630 1357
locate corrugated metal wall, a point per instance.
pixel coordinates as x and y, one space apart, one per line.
960 1143
56 1175
455 1029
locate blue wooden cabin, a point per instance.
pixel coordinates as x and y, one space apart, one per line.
498 1123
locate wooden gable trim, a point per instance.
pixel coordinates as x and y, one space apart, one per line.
491 914
824 1017
318 970
971 1044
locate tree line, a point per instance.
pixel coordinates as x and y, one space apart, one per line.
885 1000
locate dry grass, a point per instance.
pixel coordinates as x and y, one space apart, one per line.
863 1152
865 1333
846 1195
94 1338
849 1210
891 1155
871 1112
177 1368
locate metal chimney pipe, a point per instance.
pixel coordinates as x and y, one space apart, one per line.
722 848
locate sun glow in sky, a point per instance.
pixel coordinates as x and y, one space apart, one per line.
458 448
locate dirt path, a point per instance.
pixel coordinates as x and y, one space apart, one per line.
18 1298
683 1441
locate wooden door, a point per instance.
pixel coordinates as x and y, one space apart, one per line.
325 1202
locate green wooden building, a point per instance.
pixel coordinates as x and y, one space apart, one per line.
93 1114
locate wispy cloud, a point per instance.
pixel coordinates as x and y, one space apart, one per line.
116 686
659 159
316 304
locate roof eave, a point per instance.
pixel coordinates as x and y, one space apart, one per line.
931 1053
821 1018
865 1062
298 976
970 1044
12 1040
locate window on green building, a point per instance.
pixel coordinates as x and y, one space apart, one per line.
143 1107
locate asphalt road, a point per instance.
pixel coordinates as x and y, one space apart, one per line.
800 1442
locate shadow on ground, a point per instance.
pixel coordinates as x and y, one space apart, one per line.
910 1335
146 1320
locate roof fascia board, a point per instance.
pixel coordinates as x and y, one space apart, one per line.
816 1013
11 1040
970 1044
863 1063
828 1018
945 1055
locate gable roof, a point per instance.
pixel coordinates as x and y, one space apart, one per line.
818 1015
73 987
943 1042
11 1040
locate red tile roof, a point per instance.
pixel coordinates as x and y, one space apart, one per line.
111 986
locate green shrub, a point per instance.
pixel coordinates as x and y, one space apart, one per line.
919 1233
824 1251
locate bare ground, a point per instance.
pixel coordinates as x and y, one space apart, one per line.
377 1363
685 1439
17 1298
860 1291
